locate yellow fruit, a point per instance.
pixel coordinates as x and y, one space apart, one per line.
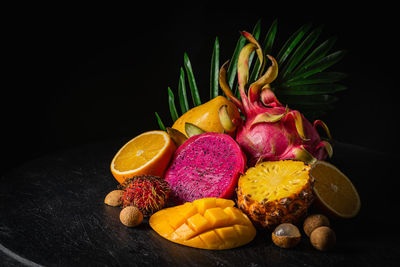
216 217
206 115
224 203
275 192
208 223
148 153
335 193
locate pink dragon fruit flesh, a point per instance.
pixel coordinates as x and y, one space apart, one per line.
270 131
206 165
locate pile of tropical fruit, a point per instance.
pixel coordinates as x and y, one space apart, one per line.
243 160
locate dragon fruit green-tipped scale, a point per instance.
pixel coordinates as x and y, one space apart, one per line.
206 165
270 131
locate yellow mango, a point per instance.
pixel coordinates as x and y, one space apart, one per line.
188 210
224 203
208 223
228 234
165 228
212 240
236 216
206 117
185 232
243 230
199 223
175 220
195 242
205 203
216 216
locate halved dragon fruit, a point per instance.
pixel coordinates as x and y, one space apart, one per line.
206 165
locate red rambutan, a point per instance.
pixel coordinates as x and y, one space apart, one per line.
148 193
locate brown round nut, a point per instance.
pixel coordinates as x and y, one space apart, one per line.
114 198
314 221
286 235
323 238
131 216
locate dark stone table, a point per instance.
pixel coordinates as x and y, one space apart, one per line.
52 214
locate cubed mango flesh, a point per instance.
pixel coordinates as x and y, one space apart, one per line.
228 234
208 223
216 216
188 210
199 223
212 240
185 232
236 216
224 203
204 204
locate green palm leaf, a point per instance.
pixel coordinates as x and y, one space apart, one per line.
160 123
312 106
321 77
183 101
192 82
316 54
319 65
309 101
171 103
231 72
291 43
301 50
312 89
214 70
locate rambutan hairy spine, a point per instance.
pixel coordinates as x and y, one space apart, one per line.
148 193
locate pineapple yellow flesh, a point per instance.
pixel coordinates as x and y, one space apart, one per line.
274 180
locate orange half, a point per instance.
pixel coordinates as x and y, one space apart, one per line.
334 191
147 154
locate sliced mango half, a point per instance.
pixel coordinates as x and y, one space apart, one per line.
208 223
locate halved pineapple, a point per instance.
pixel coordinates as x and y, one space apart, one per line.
275 192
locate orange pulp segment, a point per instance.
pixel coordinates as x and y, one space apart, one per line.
334 191
147 154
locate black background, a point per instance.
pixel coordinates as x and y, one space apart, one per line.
79 74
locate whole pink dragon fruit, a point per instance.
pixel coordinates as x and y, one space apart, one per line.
270 130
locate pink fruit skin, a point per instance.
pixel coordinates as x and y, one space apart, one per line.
277 140
270 131
206 165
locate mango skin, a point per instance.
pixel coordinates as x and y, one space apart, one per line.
208 223
206 116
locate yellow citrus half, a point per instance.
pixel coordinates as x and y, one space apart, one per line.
334 191
148 153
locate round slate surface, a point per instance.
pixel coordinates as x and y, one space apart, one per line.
52 214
